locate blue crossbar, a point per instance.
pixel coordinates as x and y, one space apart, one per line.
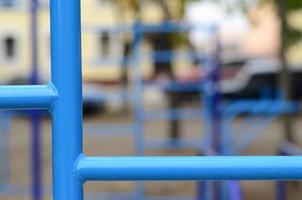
165 27
71 168
27 97
188 168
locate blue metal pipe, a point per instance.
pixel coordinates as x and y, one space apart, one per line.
167 26
189 168
138 108
27 97
234 190
36 150
67 109
172 114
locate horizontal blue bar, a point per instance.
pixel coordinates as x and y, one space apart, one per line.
105 96
173 114
187 86
262 106
27 96
176 144
189 168
167 27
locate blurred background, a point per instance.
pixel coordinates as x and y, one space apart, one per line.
160 77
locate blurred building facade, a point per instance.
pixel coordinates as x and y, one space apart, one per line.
15 38
98 46
102 50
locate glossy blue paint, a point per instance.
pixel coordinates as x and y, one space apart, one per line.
27 97
67 109
189 168
36 150
71 168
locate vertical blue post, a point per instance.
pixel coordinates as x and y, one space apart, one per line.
67 109
216 112
138 82
205 188
281 190
215 98
35 114
213 115
234 191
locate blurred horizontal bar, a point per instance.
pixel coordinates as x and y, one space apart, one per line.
180 86
252 131
173 114
175 144
262 107
98 96
27 96
189 168
165 27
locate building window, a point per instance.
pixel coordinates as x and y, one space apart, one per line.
9 47
104 40
8 3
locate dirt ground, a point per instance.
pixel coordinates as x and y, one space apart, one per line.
266 144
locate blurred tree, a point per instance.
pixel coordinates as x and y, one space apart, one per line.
285 80
289 36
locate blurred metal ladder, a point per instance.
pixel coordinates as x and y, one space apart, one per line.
71 168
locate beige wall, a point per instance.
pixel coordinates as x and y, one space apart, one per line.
94 13
263 38
16 22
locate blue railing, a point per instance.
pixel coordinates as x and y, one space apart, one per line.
71 168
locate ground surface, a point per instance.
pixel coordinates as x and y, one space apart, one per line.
19 142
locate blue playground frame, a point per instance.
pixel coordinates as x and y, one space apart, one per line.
141 115
72 168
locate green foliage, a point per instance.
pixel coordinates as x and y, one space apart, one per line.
293 36
293 5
